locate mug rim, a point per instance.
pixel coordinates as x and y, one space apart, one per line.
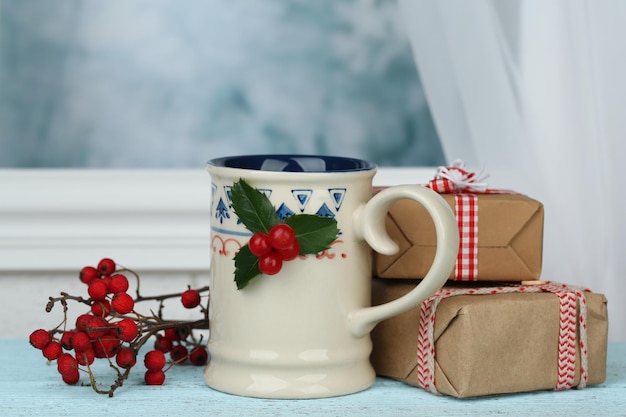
294 163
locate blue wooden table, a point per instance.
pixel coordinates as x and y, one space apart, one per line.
29 387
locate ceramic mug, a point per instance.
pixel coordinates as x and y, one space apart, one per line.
304 332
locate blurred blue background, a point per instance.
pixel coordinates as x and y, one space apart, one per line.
172 83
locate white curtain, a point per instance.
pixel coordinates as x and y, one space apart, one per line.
534 92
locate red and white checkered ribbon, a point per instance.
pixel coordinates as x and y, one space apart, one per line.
466 210
464 184
569 298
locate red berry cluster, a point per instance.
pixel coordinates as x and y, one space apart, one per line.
272 248
107 289
113 330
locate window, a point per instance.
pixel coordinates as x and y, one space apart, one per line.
168 84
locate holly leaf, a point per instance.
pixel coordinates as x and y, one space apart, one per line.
313 232
253 207
246 267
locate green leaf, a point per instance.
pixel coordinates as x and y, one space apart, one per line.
253 208
246 267
313 232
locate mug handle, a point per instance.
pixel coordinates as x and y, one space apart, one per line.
369 224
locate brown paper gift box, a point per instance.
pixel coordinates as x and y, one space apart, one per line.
510 239
486 344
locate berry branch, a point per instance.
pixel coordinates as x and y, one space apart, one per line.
114 330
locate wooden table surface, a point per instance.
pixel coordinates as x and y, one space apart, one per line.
31 388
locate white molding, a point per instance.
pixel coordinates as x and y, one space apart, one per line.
157 220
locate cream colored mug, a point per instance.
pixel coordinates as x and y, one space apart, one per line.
304 332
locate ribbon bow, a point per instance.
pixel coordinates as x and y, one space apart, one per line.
457 178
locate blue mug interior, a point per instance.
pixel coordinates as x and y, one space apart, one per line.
293 163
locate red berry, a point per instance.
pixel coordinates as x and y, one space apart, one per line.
66 339
53 350
118 283
289 253
270 264
40 338
259 244
156 377
125 358
154 360
81 342
127 329
66 364
101 308
282 236
106 347
88 274
172 334
71 378
96 328
163 344
82 321
98 289
198 356
123 303
190 298
107 280
98 351
86 357
179 353
106 266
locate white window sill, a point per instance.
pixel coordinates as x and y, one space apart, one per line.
61 220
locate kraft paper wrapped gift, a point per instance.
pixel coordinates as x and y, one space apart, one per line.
509 240
487 344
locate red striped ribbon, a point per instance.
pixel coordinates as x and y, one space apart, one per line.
569 299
